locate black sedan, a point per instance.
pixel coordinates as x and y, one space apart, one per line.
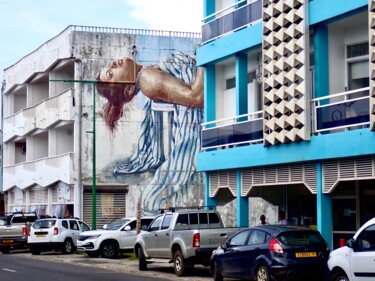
271 252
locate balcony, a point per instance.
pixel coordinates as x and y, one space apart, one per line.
342 111
231 19
240 130
40 116
330 114
42 172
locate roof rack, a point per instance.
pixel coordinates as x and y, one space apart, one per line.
17 213
174 209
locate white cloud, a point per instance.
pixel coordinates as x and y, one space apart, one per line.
173 15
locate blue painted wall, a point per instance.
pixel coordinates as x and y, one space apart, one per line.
323 147
251 38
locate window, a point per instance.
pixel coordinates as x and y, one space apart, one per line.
257 237
239 239
193 218
213 218
156 224
357 65
145 222
183 219
366 240
64 224
73 225
132 225
166 222
231 82
203 218
84 227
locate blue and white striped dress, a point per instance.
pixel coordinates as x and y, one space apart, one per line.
171 174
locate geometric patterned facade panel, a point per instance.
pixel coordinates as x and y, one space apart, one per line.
223 179
284 65
371 13
304 173
338 170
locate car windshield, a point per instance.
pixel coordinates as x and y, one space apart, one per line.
39 224
300 238
116 224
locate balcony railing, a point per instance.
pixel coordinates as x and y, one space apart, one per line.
341 111
39 116
231 19
42 172
242 129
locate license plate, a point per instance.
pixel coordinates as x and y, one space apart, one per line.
8 241
306 255
40 235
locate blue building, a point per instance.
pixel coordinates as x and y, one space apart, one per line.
290 111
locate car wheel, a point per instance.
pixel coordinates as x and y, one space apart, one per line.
93 254
68 246
142 264
35 250
262 274
339 276
109 249
179 264
5 250
217 273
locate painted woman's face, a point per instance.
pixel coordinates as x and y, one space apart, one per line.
122 70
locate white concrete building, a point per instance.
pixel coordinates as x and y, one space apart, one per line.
48 122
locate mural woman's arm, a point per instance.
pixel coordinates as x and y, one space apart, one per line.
161 86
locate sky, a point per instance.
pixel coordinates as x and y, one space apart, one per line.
27 24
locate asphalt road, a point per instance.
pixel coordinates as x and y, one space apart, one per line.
21 265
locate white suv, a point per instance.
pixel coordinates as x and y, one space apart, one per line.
356 260
118 236
54 233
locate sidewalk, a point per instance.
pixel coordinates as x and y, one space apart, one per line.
161 270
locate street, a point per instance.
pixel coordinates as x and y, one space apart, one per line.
21 265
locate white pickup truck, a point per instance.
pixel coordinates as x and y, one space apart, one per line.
184 236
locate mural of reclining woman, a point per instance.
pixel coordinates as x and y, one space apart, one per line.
175 80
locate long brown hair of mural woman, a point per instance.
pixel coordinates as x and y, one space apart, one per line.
123 79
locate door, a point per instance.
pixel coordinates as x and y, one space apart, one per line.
164 238
362 260
74 230
150 237
248 254
228 261
127 236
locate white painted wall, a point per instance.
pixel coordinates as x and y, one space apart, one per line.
36 92
342 34
37 146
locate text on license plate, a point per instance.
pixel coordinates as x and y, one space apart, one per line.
40 235
8 241
306 255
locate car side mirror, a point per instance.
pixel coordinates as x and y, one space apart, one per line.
224 246
127 228
105 226
351 243
144 228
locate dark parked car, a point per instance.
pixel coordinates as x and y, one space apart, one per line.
271 252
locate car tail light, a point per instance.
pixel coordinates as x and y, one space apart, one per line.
24 231
276 247
196 240
56 231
